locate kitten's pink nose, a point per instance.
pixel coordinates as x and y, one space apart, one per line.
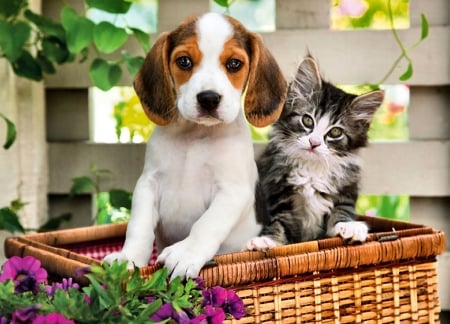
314 142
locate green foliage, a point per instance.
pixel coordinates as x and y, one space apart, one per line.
10 221
35 44
112 206
55 222
105 74
10 132
392 207
114 295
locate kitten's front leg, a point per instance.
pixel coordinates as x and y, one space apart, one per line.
271 235
352 231
261 243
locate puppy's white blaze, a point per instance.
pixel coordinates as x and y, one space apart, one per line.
213 30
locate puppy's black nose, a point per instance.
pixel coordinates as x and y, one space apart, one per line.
208 100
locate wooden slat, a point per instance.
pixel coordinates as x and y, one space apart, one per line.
390 168
437 12
418 168
172 12
429 113
292 14
356 57
431 211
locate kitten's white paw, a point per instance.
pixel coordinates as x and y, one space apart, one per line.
352 231
261 243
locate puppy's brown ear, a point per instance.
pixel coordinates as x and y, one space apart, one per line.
266 86
153 84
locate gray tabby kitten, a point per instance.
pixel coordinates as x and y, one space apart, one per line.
309 171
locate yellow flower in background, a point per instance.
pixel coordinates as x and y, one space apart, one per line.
132 123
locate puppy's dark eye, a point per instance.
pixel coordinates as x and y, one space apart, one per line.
234 65
184 63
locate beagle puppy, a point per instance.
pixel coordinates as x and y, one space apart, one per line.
196 193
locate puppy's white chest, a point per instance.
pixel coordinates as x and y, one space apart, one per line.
185 184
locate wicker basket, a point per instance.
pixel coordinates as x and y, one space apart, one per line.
391 278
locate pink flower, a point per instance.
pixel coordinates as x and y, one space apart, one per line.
52 318
352 8
26 273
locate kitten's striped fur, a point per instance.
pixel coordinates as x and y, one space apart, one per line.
310 170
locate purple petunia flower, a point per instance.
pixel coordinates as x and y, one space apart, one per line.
214 315
52 318
65 285
234 305
214 296
26 273
200 283
225 298
25 315
164 312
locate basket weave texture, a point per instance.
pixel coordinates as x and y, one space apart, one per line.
391 278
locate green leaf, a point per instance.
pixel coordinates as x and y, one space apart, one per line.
143 38
158 280
45 64
106 299
108 38
149 310
112 6
407 74
55 50
104 75
13 39
81 185
17 205
27 66
46 25
55 223
120 198
79 30
222 3
10 132
9 221
134 64
11 8
425 27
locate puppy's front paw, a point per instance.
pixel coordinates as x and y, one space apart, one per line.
122 257
261 243
352 231
182 260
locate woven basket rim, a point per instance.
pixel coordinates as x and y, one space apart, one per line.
408 242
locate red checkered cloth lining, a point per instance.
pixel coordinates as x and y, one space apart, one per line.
99 249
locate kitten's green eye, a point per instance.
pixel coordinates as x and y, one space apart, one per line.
308 121
335 132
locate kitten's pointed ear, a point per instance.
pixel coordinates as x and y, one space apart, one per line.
364 106
307 80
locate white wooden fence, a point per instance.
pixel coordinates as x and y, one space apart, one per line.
53 119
